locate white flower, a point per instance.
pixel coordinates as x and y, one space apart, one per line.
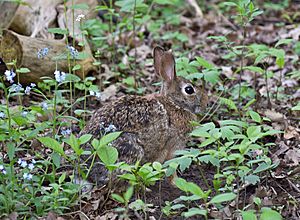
33 161
92 93
110 128
4 172
9 75
1 167
59 76
2 115
31 166
27 176
44 106
97 94
32 85
27 90
79 17
24 114
23 163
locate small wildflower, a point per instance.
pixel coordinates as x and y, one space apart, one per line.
31 166
27 90
42 52
27 176
33 161
23 164
24 114
2 115
4 172
74 53
16 87
1 167
66 132
19 161
110 128
44 106
97 94
32 85
79 17
9 75
59 76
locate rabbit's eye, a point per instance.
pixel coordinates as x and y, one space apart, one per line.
189 90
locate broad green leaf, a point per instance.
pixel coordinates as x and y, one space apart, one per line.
85 138
269 214
11 149
255 116
128 194
283 41
23 70
249 215
108 155
225 197
194 211
181 184
82 6
204 63
195 189
52 144
118 198
254 132
108 138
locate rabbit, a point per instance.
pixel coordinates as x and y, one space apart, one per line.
153 126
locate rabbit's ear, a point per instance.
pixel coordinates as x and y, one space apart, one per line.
158 53
167 70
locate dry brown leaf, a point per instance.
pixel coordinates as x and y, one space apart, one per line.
293 156
274 116
291 132
108 92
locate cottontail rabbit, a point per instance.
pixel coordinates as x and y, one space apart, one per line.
154 125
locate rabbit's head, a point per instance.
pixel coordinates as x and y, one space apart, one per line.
179 90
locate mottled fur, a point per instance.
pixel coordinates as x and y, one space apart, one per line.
153 126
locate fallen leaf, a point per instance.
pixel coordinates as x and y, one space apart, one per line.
291 132
108 92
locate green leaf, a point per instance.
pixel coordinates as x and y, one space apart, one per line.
255 116
157 166
108 155
118 198
283 41
204 63
269 214
23 70
296 108
58 31
255 69
195 189
225 197
194 211
128 194
181 184
82 6
249 215
85 138
52 144
11 149
62 178
254 132
106 139
76 67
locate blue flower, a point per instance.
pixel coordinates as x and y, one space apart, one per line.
44 106
42 52
23 163
9 75
16 87
27 90
66 132
97 94
59 76
2 115
110 128
31 166
74 53
27 176
32 85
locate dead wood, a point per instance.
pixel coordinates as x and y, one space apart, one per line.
7 13
24 50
